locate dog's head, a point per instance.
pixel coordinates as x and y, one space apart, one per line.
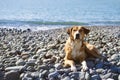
77 32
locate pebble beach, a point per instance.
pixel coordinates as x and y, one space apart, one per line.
38 55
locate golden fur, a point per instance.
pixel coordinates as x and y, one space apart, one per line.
78 50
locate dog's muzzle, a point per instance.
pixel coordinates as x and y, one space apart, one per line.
77 36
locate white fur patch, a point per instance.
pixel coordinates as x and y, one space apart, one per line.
84 66
75 51
73 68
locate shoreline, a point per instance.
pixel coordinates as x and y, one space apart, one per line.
39 54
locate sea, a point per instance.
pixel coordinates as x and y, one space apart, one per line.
51 14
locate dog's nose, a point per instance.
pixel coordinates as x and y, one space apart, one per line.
77 36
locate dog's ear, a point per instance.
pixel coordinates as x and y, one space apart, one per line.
69 30
86 31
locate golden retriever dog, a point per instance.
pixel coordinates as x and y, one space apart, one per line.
77 50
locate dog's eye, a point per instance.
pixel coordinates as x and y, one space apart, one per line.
74 30
80 30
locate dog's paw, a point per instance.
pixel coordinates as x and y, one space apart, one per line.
84 68
73 68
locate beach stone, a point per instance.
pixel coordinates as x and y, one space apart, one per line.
27 78
95 77
44 74
114 76
78 75
35 56
39 51
35 75
11 53
52 46
58 66
110 79
92 72
110 44
14 68
61 55
119 70
53 75
90 64
100 70
22 75
30 68
66 78
119 77
25 55
28 75
31 62
1 75
106 76
115 57
20 62
12 75
49 54
45 67
51 70
114 69
99 65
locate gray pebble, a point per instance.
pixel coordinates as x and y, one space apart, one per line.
106 76
12 75
14 68
100 70
95 77
53 75
58 66
31 62
20 62
119 77
66 78
40 51
115 57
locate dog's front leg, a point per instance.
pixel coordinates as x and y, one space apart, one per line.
71 64
84 66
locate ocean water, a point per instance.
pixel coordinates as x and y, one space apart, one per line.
49 14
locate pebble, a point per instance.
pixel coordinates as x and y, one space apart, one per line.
109 79
114 69
100 70
106 76
20 62
53 75
99 65
14 68
35 74
39 51
44 74
115 57
119 77
30 68
95 77
1 75
12 75
31 62
58 66
25 55
90 64
66 78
